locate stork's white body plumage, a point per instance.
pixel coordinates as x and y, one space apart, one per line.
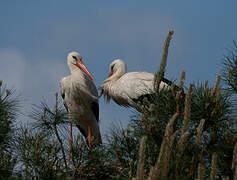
124 87
80 98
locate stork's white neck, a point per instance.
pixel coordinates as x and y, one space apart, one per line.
116 75
75 71
72 67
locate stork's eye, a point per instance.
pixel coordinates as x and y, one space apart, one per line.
74 57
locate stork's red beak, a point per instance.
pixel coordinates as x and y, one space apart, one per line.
84 69
110 74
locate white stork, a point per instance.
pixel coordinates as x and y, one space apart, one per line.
80 98
126 87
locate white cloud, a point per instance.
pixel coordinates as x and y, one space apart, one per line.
32 80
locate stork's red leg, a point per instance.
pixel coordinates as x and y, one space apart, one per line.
101 93
89 135
70 144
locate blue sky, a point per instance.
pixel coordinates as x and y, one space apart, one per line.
36 37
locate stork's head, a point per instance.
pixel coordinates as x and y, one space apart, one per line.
74 59
116 69
117 66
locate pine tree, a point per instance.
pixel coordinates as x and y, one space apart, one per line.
9 104
186 133
182 133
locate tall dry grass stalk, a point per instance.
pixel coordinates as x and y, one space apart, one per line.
130 168
230 76
169 127
140 165
234 158
218 96
235 173
199 132
213 166
187 110
155 171
200 171
160 74
197 141
206 91
168 152
184 130
170 136
214 89
166 46
144 121
179 94
181 142
182 77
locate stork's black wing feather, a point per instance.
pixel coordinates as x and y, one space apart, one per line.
150 97
175 87
169 82
81 130
63 96
95 109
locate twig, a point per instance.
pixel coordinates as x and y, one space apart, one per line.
56 131
213 167
140 165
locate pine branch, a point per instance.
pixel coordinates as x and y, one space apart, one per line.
213 167
140 165
56 132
